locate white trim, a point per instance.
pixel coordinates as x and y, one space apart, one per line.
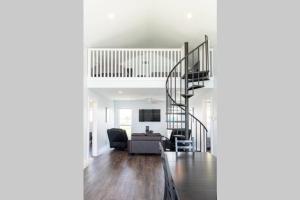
86 163
104 149
135 83
95 130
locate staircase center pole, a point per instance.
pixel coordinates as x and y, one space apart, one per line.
186 100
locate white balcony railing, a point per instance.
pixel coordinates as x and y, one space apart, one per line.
132 62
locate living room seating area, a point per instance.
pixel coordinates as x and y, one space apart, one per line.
147 143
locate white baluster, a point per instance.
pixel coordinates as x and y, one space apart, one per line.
97 63
108 63
151 63
155 63
111 65
140 63
104 64
135 63
161 64
131 63
94 63
124 64
143 66
115 62
119 63
167 62
89 66
100 62
148 60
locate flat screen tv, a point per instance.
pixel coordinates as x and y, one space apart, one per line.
149 115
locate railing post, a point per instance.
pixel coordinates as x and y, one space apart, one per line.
186 52
211 53
206 53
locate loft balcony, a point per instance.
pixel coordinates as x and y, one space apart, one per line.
133 67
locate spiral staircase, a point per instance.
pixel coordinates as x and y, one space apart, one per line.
188 75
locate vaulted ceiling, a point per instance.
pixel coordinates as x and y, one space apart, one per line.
149 23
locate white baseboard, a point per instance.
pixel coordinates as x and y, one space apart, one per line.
85 164
103 149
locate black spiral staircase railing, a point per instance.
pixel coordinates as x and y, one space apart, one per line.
189 74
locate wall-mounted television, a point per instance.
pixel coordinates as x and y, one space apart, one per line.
149 115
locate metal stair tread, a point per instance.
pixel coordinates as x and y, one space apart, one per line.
177 104
178 113
199 79
187 95
193 87
196 75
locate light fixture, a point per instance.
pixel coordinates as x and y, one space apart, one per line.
111 15
189 15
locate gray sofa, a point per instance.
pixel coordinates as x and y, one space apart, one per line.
144 143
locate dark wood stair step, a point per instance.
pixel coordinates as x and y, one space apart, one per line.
193 87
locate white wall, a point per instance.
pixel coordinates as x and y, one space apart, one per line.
85 113
101 103
139 127
198 102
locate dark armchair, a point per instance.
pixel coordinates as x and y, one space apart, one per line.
169 144
117 138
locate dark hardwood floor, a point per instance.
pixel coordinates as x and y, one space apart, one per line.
116 175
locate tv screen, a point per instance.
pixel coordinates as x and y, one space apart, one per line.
150 115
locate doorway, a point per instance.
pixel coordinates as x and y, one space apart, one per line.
93 129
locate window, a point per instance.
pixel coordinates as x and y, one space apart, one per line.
107 114
125 120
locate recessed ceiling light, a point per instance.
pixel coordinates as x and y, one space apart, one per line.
120 92
111 15
189 15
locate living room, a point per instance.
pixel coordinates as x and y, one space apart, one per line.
46 93
137 118
150 79
121 108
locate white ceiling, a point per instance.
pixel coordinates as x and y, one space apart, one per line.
149 23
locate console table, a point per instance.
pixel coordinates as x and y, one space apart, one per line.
194 174
142 143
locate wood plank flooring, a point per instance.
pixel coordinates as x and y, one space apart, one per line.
116 175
